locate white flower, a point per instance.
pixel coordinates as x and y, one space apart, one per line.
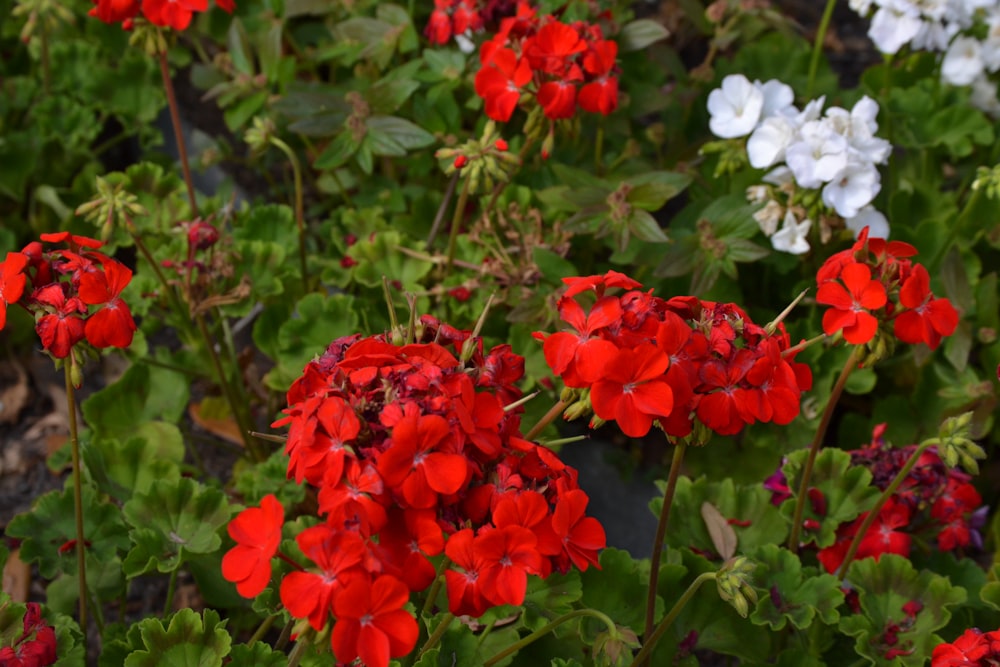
735 107
853 189
791 238
878 226
767 218
962 62
893 25
984 96
818 156
780 176
757 194
766 146
778 96
465 43
860 6
858 127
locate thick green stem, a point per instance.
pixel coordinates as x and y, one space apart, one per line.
824 25
661 534
544 630
599 149
546 419
456 222
668 620
175 119
817 443
439 631
297 652
435 587
874 511
443 208
81 556
299 206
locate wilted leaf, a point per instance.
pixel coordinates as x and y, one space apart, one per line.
641 33
723 535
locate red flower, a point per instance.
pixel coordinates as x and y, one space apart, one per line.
971 649
928 319
115 11
553 47
500 81
579 358
257 532
111 325
339 556
633 390
465 588
509 555
438 30
12 280
558 99
175 14
851 302
725 405
371 622
601 94
412 465
62 327
581 536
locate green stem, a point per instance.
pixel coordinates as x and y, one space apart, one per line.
650 643
546 419
874 511
175 119
263 628
544 630
817 443
456 222
824 25
297 651
661 534
299 206
81 556
172 585
225 385
439 631
435 587
443 208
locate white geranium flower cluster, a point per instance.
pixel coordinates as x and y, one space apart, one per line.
835 152
948 26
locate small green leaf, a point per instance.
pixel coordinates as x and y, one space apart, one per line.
645 227
174 516
848 491
143 394
650 191
403 132
791 593
639 34
554 595
625 602
338 152
190 640
50 525
258 654
884 586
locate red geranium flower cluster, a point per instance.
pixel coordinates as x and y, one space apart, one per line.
176 14
75 293
414 453
647 359
563 65
933 501
453 17
36 645
874 282
974 648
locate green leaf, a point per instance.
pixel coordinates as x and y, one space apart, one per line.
173 516
380 256
553 596
143 394
50 525
884 586
553 266
789 593
386 96
190 640
318 320
848 492
958 127
122 469
639 34
650 191
645 227
401 131
338 152
254 481
258 654
756 521
625 601
861 381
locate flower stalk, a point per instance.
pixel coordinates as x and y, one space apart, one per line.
817 443
549 627
74 440
175 119
668 620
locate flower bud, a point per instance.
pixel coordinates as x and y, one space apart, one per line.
202 235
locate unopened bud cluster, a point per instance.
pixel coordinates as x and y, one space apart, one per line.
111 205
955 447
734 583
484 161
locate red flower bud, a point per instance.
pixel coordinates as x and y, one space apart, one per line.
461 161
501 145
202 235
